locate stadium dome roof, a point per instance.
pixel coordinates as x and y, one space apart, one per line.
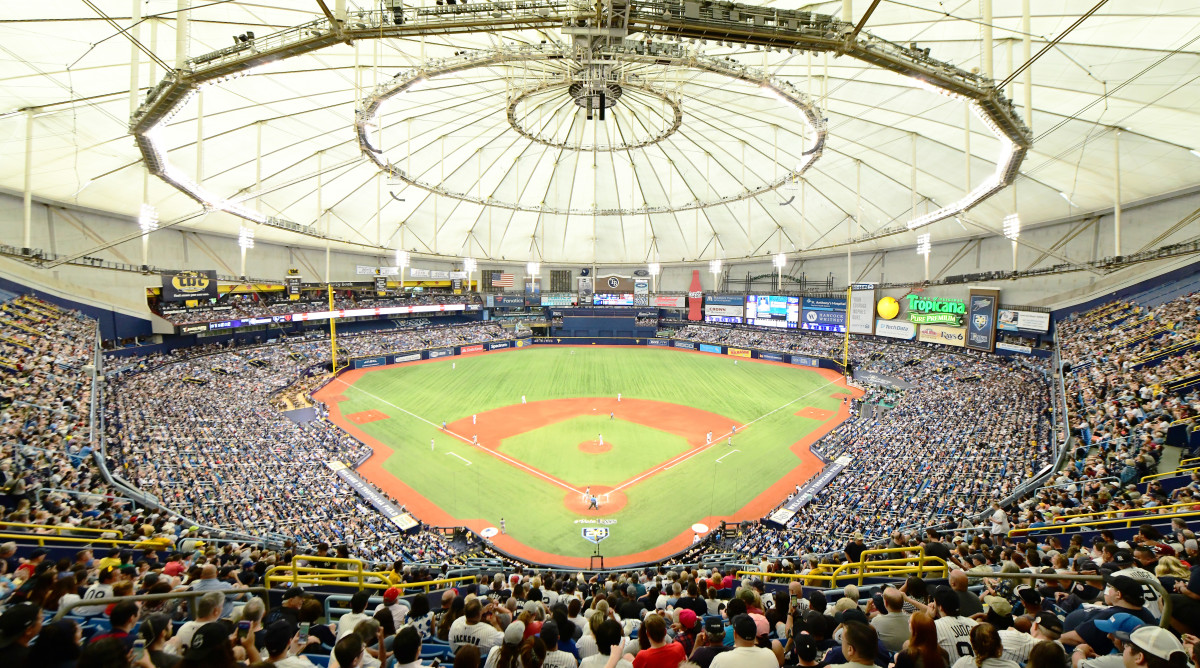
496 158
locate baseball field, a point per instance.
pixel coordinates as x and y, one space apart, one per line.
532 434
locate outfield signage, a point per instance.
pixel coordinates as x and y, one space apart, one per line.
225 324
1012 320
668 302
411 357
658 342
861 316
192 329
510 302
1014 347
879 379
737 352
369 362
724 310
477 348
686 345
559 299
895 329
440 352
521 343
936 311
947 336
497 345
809 490
705 348
981 321
805 361
774 357
381 310
727 300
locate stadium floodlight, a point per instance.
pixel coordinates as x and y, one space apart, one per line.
714 266
1012 226
780 261
654 268
1068 198
923 245
533 268
469 264
148 219
401 258
246 238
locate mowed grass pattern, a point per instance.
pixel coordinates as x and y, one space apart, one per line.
554 449
660 507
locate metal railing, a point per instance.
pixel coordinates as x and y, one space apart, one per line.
905 565
46 540
1099 524
1145 512
1169 474
58 530
189 596
296 574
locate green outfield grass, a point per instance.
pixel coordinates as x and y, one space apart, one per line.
659 508
554 449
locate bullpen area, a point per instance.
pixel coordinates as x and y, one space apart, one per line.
662 439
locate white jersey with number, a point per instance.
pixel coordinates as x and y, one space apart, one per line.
954 636
1153 602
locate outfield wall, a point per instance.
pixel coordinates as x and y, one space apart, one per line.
434 353
731 351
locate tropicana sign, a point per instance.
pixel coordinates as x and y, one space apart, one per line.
936 311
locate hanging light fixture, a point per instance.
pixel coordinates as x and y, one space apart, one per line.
1012 226
923 245
246 238
148 219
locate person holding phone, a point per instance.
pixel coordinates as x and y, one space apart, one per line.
284 646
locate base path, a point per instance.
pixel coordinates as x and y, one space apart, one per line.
493 426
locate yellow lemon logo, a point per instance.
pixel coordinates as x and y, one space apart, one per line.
888 308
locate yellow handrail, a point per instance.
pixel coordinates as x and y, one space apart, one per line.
1169 473
1148 511
1062 528
294 574
58 530
878 568
41 539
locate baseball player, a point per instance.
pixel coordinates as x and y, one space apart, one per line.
431 445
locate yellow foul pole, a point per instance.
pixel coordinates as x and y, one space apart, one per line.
846 344
332 332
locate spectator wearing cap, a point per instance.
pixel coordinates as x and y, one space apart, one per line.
1018 646
19 625
1118 627
892 622
988 650
293 600
398 606
711 642
282 642
210 647
347 622
804 649
854 548
745 653
1122 594
1154 647
860 647
686 629
555 657
101 589
1123 562
507 653
26 570
156 630
657 651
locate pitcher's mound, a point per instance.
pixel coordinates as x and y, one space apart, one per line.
594 447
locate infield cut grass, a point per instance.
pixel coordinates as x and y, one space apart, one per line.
419 397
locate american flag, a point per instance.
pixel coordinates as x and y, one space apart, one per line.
500 280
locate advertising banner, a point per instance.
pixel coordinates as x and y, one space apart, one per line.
1031 321
879 379
722 309
810 489
895 329
695 295
477 348
862 309
824 304
373 496
704 347
497 345
368 362
774 357
657 342
1014 347
824 321
439 275
981 319
364 270
292 284
804 361
259 321
641 286
669 302
686 345
558 299
728 300
185 285
380 285
440 352
948 336
413 272
224 324
936 311
585 285
192 329
601 299
509 301
521 343
408 357
737 352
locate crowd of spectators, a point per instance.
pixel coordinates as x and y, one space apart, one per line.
256 305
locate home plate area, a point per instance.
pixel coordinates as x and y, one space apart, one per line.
366 416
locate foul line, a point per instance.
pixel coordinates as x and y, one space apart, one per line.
725 455
459 456
462 438
679 459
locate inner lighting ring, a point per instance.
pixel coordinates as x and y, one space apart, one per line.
676 120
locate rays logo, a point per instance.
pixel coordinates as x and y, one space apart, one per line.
190 282
613 281
980 321
595 534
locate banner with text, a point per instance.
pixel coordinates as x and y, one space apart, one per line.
737 352
895 329
809 490
373 496
669 302
185 285
862 309
948 336
1011 320
981 319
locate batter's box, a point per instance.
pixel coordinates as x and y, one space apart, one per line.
366 416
